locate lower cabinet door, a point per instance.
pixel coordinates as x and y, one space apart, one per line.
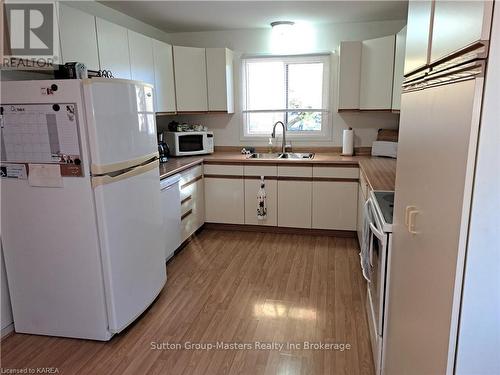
294 204
224 200
252 187
334 205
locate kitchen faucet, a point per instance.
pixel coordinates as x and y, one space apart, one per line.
273 135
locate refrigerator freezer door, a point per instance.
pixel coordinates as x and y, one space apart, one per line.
436 145
130 224
121 123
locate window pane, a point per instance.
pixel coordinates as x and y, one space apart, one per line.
304 121
262 123
305 86
265 85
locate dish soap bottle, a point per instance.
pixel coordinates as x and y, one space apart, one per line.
270 146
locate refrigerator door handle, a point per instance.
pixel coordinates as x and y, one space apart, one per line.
106 179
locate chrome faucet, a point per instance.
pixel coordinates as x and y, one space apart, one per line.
273 135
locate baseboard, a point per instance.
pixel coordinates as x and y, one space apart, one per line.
7 331
281 230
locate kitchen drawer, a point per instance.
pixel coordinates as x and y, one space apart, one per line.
190 174
223 169
261 170
336 172
193 209
294 171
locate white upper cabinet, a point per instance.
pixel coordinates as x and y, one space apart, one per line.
220 79
458 24
164 77
78 37
377 69
113 48
190 79
349 75
141 57
417 35
399 62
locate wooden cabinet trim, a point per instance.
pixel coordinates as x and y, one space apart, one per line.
191 182
226 176
344 165
334 179
224 162
255 177
187 199
186 214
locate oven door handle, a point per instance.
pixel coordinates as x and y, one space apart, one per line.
380 235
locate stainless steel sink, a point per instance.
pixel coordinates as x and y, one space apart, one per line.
267 155
297 155
286 155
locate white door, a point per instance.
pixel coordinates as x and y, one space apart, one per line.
113 48
120 122
399 65
377 70
130 224
190 79
78 37
417 35
164 77
141 57
433 155
458 24
171 211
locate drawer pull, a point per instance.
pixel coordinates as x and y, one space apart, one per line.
186 214
187 199
191 181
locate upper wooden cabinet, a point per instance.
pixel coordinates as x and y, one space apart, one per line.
78 37
417 36
349 75
399 61
190 79
164 77
439 28
113 48
458 24
377 69
141 57
220 79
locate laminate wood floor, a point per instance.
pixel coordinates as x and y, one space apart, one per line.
232 287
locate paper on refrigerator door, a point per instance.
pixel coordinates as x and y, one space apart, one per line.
45 175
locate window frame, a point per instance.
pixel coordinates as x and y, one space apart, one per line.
324 133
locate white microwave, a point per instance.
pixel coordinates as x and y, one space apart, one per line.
190 143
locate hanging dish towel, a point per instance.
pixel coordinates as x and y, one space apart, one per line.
261 200
365 245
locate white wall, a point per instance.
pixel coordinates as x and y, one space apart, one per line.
227 128
479 332
6 312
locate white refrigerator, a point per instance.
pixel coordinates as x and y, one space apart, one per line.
80 193
445 111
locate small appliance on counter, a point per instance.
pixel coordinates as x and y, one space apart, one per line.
386 143
163 149
190 143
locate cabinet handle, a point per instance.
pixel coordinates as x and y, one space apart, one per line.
186 214
191 182
407 211
187 199
411 221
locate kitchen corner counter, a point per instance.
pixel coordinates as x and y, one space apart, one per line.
380 172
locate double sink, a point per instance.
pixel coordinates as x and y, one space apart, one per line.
285 155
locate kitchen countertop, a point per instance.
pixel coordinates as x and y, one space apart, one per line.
380 172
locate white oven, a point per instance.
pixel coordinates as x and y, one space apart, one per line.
378 244
190 143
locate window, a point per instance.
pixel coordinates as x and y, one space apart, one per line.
293 90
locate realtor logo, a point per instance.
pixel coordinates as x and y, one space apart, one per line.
30 29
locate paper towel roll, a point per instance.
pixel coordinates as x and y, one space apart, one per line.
348 142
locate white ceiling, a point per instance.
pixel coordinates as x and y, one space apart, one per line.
181 16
